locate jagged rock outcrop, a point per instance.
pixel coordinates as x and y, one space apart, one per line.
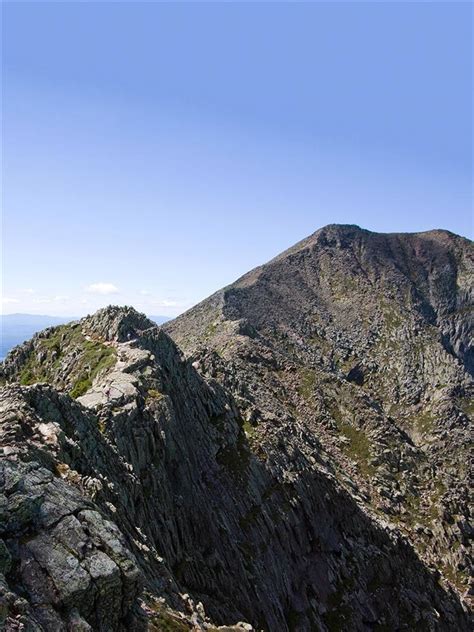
118 450
272 478
67 566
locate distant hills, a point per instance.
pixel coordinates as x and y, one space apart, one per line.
159 320
16 328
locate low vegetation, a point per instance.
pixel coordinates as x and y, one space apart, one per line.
68 359
165 620
307 383
357 446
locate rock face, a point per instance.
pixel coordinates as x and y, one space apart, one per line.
61 555
304 468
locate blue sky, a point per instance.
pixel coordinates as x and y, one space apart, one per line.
154 152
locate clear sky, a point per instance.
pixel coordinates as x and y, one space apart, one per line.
154 152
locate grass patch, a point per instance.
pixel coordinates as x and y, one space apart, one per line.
164 620
392 319
307 383
358 447
249 430
84 360
423 422
436 494
460 579
210 330
30 375
82 385
154 394
96 358
412 506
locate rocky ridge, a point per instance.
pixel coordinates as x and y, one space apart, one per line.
254 481
361 343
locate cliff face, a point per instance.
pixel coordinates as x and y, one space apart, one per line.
299 472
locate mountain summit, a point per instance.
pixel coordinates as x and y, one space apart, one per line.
301 464
351 278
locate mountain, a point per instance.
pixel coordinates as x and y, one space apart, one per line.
302 463
361 343
16 328
159 320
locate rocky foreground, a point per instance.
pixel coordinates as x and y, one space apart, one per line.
303 466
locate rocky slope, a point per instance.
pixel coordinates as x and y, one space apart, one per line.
362 344
305 469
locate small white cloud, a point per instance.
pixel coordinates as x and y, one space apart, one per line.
102 288
28 290
50 299
165 303
145 292
6 300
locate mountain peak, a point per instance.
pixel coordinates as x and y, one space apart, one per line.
345 235
338 273
116 323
